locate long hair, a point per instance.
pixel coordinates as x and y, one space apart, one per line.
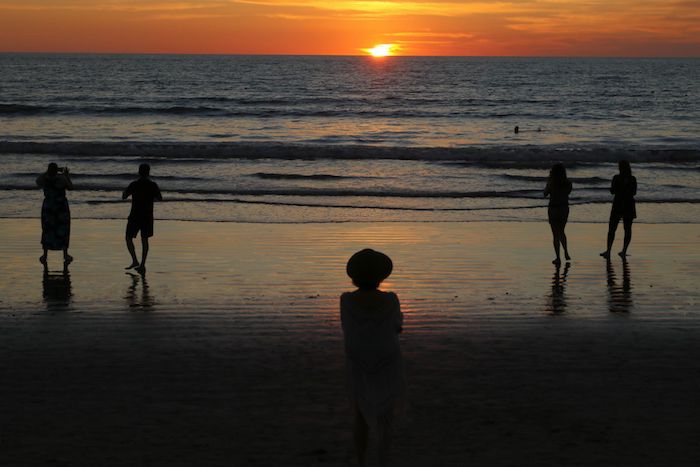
557 176
625 169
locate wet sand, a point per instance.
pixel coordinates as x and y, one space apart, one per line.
229 352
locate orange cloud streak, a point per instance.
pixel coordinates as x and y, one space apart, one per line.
346 27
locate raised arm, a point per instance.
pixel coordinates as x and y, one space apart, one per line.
68 182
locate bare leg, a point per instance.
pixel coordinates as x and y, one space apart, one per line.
628 238
612 227
564 244
67 259
360 432
385 427
132 252
562 236
144 253
556 242
42 258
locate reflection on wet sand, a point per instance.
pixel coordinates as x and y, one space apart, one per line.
57 289
619 296
143 300
556 302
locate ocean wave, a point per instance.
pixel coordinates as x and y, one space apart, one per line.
310 192
324 205
289 109
512 156
386 207
75 176
278 176
543 179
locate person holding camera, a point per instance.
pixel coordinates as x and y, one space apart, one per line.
55 213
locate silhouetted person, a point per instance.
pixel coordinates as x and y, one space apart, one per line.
143 193
624 187
619 297
557 299
516 130
55 213
372 321
57 290
558 189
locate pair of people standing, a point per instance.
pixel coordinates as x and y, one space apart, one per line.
624 187
55 213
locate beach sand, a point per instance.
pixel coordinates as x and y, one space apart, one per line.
229 352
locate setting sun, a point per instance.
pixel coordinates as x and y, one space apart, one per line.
382 50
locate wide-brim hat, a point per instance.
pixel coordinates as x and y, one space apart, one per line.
369 266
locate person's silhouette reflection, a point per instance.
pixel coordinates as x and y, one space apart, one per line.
142 301
619 296
557 298
57 290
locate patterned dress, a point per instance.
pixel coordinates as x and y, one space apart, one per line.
55 214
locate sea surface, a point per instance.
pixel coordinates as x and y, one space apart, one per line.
335 139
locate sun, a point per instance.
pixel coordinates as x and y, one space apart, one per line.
381 50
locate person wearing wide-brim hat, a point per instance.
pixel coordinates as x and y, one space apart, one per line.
372 321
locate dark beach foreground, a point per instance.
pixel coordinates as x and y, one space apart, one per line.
229 352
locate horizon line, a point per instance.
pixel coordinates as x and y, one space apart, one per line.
337 55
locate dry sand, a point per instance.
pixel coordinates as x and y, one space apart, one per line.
230 352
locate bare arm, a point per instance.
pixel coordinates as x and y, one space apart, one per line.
127 192
68 182
158 196
547 189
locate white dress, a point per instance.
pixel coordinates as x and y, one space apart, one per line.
371 323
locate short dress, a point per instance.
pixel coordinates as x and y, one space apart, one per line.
55 213
558 209
373 358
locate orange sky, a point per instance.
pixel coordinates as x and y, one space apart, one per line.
430 27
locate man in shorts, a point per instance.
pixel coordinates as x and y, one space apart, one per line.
143 192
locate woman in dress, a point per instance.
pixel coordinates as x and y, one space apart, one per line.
372 321
624 187
558 189
55 214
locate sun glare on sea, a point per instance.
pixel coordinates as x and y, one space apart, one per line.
382 50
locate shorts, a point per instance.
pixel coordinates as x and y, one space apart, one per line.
558 214
145 226
626 212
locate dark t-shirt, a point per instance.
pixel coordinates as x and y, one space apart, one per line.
143 192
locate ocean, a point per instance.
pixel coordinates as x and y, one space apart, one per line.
336 139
